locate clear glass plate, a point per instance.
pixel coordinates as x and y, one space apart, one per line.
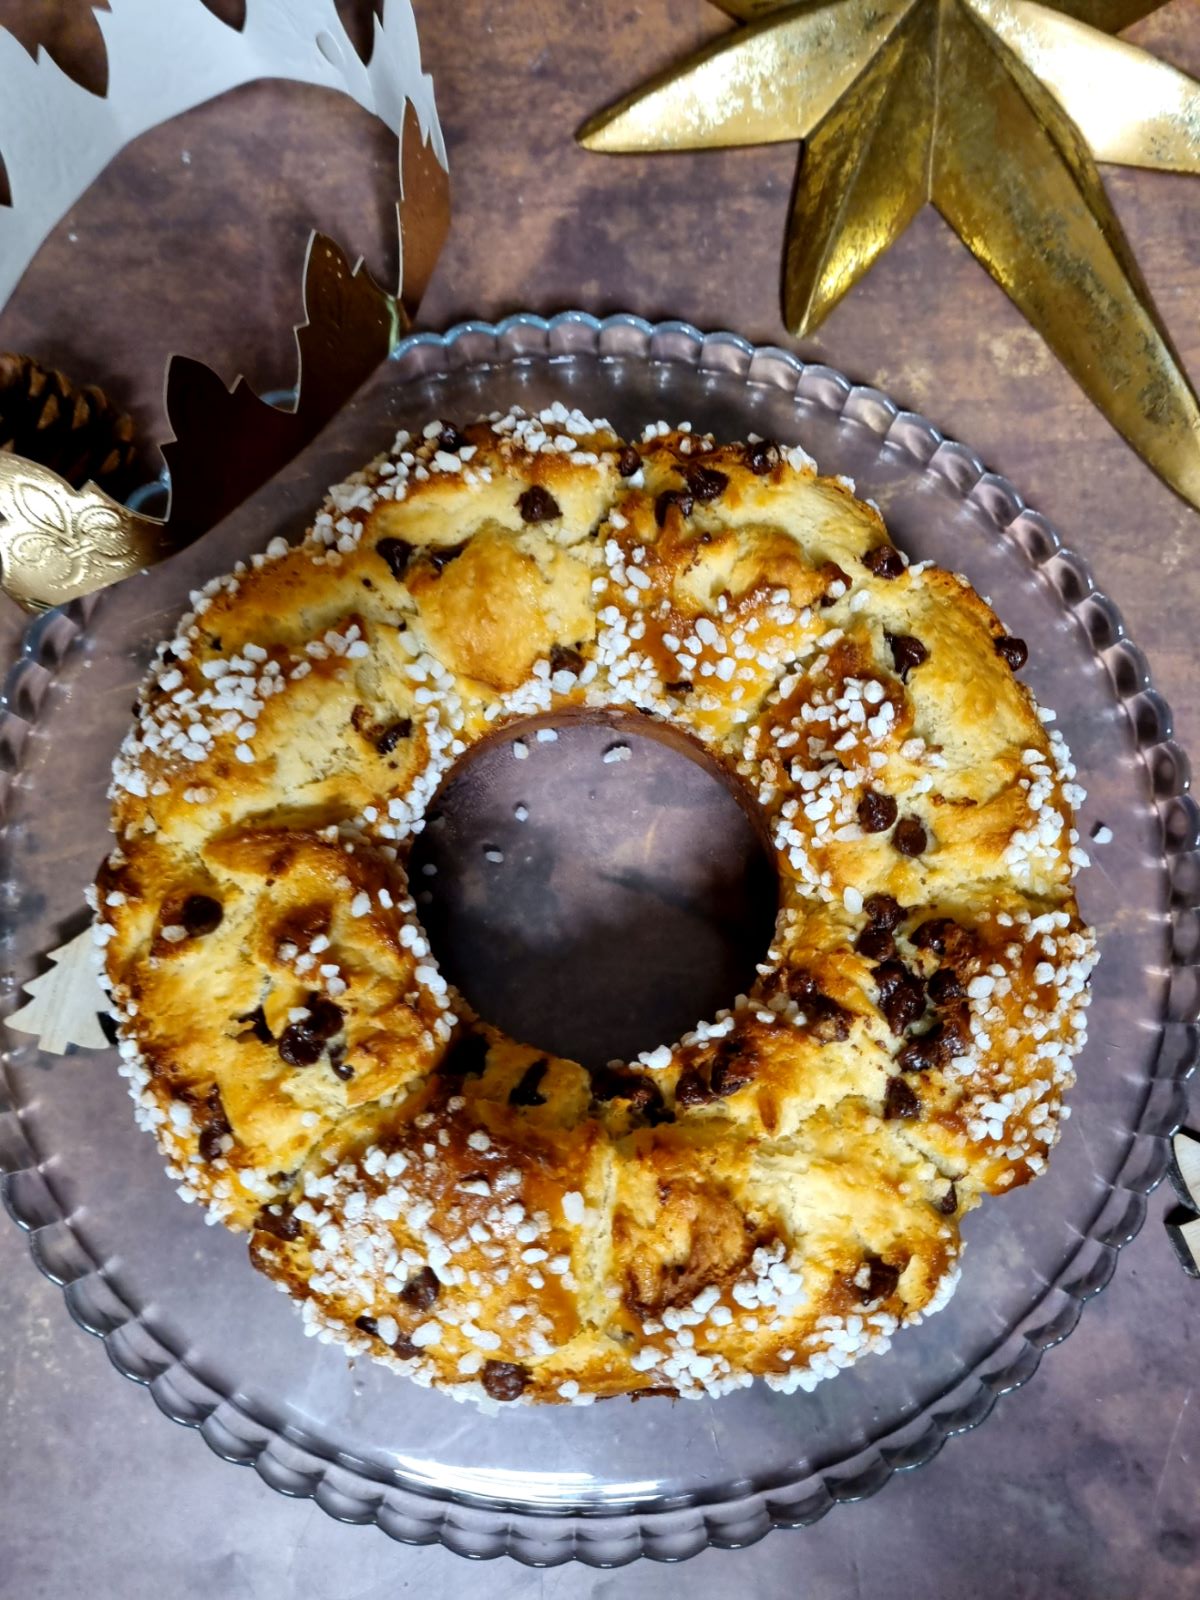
177 1303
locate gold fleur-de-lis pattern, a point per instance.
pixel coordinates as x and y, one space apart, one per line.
57 543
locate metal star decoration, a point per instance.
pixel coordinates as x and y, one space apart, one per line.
995 111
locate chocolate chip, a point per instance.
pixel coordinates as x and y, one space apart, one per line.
825 1019
910 837
901 995
421 1290
955 1030
761 456
628 461
281 1224
1014 651
169 658
876 812
945 985
338 1064
876 942
441 558
831 573
885 561
451 440
258 1026
466 1057
324 1019
644 1096
215 1127
504 1380
298 1047
210 1141
538 505
802 986
565 658
525 1092
610 1083
391 736
958 944
900 1102
918 1055
948 939
669 498
728 1076
706 483
882 1278
948 1203
201 914
931 1049
828 1021
397 553
932 935
881 908
401 1345
732 1071
691 1089
907 652
679 686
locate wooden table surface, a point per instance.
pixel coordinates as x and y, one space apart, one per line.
1082 1484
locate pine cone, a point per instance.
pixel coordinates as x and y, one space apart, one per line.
77 432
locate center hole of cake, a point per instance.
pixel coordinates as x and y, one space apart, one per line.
594 885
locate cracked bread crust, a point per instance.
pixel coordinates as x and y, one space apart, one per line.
770 1196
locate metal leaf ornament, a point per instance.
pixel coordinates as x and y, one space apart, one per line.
996 112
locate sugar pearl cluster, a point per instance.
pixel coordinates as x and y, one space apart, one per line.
1017 1114
481 1240
1037 848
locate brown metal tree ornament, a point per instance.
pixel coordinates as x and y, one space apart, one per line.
996 112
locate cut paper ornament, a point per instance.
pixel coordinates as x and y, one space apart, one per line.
56 137
58 543
66 1000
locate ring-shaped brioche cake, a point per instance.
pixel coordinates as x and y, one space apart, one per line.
770 1196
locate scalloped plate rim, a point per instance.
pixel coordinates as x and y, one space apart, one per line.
542 1538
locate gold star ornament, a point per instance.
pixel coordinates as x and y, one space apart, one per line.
997 112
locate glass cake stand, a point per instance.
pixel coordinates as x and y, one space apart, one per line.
178 1305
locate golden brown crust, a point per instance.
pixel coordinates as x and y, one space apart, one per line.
773 1194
